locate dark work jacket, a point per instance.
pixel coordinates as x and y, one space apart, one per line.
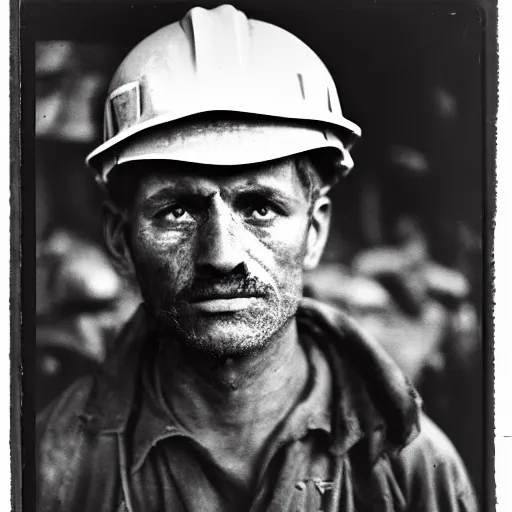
387 456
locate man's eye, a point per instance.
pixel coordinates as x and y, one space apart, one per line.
175 214
262 213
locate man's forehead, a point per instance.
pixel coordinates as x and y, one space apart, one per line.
280 174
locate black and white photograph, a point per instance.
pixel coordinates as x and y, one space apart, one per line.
255 256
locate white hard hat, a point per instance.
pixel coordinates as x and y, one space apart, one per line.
221 89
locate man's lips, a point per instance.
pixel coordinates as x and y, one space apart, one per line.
223 305
224 301
224 296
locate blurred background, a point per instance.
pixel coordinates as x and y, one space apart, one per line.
405 253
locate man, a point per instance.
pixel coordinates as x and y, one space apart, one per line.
227 391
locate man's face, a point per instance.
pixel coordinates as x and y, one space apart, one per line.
219 257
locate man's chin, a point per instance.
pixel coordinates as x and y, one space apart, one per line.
225 337
234 333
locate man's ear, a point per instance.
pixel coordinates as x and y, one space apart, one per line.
318 232
115 224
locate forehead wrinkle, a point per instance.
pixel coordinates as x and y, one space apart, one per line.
267 190
275 175
181 185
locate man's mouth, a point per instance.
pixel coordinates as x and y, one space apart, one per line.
221 304
224 300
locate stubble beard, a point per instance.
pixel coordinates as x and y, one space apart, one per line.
218 336
234 334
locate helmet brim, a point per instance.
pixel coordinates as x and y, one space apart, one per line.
222 143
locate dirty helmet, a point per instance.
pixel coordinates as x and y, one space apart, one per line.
220 89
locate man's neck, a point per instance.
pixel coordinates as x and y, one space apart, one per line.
234 404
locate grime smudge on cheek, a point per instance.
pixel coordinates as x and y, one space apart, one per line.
277 257
160 239
165 258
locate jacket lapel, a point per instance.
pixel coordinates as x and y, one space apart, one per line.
372 395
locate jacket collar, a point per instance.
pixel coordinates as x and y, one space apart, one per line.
372 398
156 421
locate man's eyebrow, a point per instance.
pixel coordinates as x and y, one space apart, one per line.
266 191
175 192
183 192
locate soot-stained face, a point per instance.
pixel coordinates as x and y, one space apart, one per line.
219 255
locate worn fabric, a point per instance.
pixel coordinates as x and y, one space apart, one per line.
356 440
182 456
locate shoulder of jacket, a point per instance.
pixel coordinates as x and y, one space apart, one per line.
431 444
60 436
67 451
430 471
62 445
66 408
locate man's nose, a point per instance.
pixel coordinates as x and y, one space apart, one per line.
220 245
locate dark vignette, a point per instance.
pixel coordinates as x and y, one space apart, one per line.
488 13
15 237
24 364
